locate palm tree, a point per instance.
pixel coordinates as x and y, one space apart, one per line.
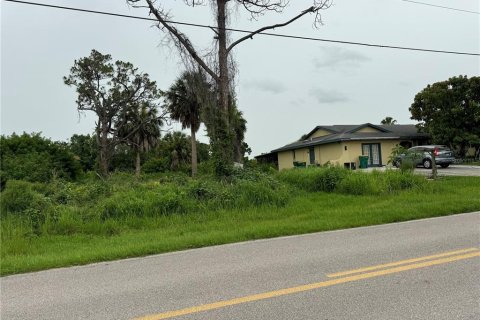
140 129
176 145
389 121
184 102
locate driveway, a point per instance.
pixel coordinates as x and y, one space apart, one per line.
453 170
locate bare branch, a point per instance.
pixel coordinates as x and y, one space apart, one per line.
278 25
181 38
259 7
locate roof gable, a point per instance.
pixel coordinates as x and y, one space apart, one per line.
319 131
368 127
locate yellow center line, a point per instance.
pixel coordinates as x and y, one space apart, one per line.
398 263
308 287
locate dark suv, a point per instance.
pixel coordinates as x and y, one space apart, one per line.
421 155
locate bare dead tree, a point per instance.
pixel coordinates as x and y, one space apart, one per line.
219 70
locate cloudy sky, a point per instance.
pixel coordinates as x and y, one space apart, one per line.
285 87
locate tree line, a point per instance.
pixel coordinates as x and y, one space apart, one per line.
32 157
131 110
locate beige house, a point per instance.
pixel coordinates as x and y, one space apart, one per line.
343 144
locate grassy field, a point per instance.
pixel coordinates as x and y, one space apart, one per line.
85 222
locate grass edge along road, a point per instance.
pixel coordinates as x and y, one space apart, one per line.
305 212
396 267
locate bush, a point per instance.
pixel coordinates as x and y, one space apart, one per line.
141 203
37 159
203 190
153 165
314 179
18 196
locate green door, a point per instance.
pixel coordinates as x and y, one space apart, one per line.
374 153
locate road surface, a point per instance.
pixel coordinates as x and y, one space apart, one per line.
453 170
424 269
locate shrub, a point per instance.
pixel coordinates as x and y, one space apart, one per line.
144 203
203 190
34 158
153 165
17 197
314 179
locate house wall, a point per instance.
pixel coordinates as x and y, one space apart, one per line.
320 133
335 153
285 158
368 129
330 153
354 150
302 155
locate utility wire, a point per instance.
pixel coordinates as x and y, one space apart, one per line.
245 31
434 5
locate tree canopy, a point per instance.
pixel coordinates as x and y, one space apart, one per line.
450 112
388 121
109 89
34 158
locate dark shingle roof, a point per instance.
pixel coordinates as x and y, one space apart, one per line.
347 133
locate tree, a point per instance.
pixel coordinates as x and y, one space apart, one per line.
450 112
389 121
219 69
140 129
109 89
177 148
84 147
184 103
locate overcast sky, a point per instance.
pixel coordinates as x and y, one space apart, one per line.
285 87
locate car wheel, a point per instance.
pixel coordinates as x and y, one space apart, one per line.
427 163
445 165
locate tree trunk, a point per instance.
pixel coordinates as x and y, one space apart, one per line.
137 164
222 146
103 148
194 152
223 59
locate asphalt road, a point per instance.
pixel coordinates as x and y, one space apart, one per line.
429 269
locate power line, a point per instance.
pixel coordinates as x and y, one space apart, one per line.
246 31
437 6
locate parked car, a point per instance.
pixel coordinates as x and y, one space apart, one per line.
422 155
